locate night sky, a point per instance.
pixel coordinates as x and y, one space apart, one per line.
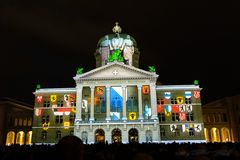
44 42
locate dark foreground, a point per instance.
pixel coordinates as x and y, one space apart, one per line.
117 151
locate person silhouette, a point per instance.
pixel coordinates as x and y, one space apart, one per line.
70 148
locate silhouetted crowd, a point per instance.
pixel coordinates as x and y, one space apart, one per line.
71 147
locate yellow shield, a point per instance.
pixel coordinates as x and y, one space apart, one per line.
180 100
53 98
132 115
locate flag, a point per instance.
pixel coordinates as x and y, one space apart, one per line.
159 108
175 108
115 115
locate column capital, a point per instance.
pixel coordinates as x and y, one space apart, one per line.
92 87
107 86
124 86
79 86
139 86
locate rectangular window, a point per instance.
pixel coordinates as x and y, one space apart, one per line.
60 103
188 100
58 135
59 119
190 117
224 116
177 132
173 100
175 117
191 132
44 135
162 132
72 118
43 119
161 117
46 104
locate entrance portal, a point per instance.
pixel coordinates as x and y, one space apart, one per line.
133 135
99 136
116 136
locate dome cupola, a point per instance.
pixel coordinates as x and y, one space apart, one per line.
117 46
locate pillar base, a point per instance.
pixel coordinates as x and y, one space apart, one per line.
108 119
124 118
140 118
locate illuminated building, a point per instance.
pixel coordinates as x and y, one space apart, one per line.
221 120
15 122
118 102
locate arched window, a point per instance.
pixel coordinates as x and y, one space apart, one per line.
29 138
99 136
20 138
148 136
225 134
116 136
215 135
58 135
10 138
133 135
85 137
206 135
44 135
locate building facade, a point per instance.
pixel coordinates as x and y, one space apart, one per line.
118 102
221 120
15 122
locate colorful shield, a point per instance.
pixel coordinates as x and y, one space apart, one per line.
167 95
145 89
39 99
132 115
179 100
100 91
188 94
53 98
196 94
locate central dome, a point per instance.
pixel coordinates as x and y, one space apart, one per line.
118 43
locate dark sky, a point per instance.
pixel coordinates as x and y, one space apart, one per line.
44 42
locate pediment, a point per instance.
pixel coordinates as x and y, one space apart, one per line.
116 70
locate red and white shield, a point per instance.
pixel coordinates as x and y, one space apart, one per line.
196 94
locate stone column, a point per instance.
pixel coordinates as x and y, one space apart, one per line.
140 113
153 96
79 102
124 117
92 104
108 103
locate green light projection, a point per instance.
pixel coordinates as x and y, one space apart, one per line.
116 56
151 68
79 70
195 82
38 86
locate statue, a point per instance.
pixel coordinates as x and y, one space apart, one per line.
115 56
79 70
